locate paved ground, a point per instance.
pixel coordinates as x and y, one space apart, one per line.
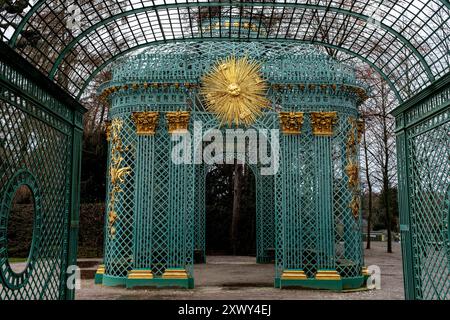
240 278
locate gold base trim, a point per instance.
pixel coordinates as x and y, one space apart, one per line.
327 275
365 271
293 275
101 269
175 274
140 274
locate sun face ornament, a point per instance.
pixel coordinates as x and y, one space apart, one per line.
235 91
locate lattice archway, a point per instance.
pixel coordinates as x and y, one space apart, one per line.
385 34
264 185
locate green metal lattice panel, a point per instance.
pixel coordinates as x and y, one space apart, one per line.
118 254
315 228
199 213
404 41
347 230
40 144
265 218
423 142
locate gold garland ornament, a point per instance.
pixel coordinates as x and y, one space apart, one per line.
352 168
235 91
117 173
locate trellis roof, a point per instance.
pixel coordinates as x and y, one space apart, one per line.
405 41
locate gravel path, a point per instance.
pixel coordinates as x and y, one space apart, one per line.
240 278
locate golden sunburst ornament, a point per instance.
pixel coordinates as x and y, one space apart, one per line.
235 91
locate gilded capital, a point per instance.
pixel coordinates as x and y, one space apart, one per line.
145 122
178 121
291 122
323 122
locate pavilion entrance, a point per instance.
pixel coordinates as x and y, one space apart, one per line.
232 223
231 250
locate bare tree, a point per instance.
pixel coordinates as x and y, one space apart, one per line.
368 181
379 149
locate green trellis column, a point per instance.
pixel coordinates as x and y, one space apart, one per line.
322 127
141 273
264 218
353 249
290 242
403 165
98 278
181 205
200 214
77 137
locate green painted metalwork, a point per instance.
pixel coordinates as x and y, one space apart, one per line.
403 40
423 146
265 219
40 134
201 171
161 7
282 41
303 213
22 177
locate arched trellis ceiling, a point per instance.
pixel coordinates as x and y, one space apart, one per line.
406 41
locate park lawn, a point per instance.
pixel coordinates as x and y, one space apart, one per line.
17 260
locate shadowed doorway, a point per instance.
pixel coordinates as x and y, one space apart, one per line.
230 199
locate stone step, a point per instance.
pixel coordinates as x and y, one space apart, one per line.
88 273
88 267
88 263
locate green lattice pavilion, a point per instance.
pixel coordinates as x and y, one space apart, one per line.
307 212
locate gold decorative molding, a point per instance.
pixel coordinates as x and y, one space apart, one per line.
178 121
107 127
101 269
140 274
323 122
175 273
365 272
117 173
352 168
145 122
354 206
360 127
327 275
291 122
351 139
293 274
352 171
